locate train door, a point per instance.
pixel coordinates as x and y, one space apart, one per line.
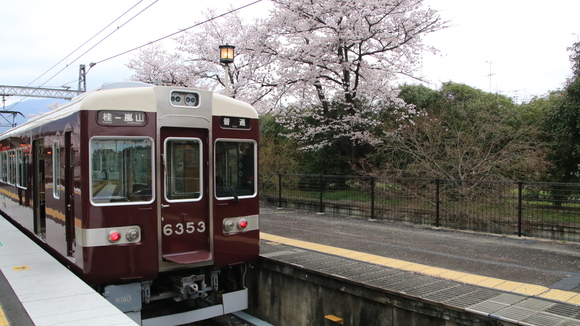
69 194
39 188
185 218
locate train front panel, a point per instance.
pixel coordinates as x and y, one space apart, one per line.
236 201
119 228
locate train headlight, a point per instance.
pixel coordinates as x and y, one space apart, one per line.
228 225
114 236
184 99
132 235
175 99
191 99
242 224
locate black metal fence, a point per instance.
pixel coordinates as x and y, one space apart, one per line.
535 209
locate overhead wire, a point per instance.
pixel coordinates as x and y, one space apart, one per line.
108 35
87 41
135 5
180 31
133 49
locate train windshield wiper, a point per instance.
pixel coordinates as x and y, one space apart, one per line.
236 199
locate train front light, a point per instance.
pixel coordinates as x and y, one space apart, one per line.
228 225
191 99
184 99
114 236
233 225
175 99
132 235
242 224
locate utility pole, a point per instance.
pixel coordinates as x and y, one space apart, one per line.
82 79
490 74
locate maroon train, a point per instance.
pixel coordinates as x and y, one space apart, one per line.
148 193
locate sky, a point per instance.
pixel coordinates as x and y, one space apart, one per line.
514 47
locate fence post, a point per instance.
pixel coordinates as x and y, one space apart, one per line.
321 183
437 185
520 191
373 198
279 190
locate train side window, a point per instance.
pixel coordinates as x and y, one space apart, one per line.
12 167
4 167
56 169
22 177
183 172
121 170
235 169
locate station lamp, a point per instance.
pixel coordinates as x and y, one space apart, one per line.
226 54
227 57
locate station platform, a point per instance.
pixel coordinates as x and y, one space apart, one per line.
35 289
513 302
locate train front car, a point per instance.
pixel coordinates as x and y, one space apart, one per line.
148 193
188 196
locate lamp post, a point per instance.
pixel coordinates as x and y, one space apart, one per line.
227 57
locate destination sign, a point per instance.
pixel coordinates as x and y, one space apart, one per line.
122 118
235 122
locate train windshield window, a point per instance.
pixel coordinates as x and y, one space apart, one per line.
235 169
121 170
182 165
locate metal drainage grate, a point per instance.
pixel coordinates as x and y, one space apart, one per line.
564 310
425 290
515 313
411 284
465 296
543 319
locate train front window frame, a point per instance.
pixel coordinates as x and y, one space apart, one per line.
236 169
183 164
122 170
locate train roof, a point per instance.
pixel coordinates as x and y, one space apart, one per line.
134 96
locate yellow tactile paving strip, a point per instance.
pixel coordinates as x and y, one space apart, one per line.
489 282
3 318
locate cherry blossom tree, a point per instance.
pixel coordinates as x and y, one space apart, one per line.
326 67
195 60
337 62
156 65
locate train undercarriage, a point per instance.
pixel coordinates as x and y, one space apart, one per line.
180 298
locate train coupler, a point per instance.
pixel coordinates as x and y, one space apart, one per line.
192 287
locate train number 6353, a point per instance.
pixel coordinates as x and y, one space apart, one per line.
180 228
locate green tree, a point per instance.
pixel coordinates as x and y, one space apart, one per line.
563 126
466 134
420 96
278 154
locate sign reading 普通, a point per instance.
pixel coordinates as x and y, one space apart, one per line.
235 122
